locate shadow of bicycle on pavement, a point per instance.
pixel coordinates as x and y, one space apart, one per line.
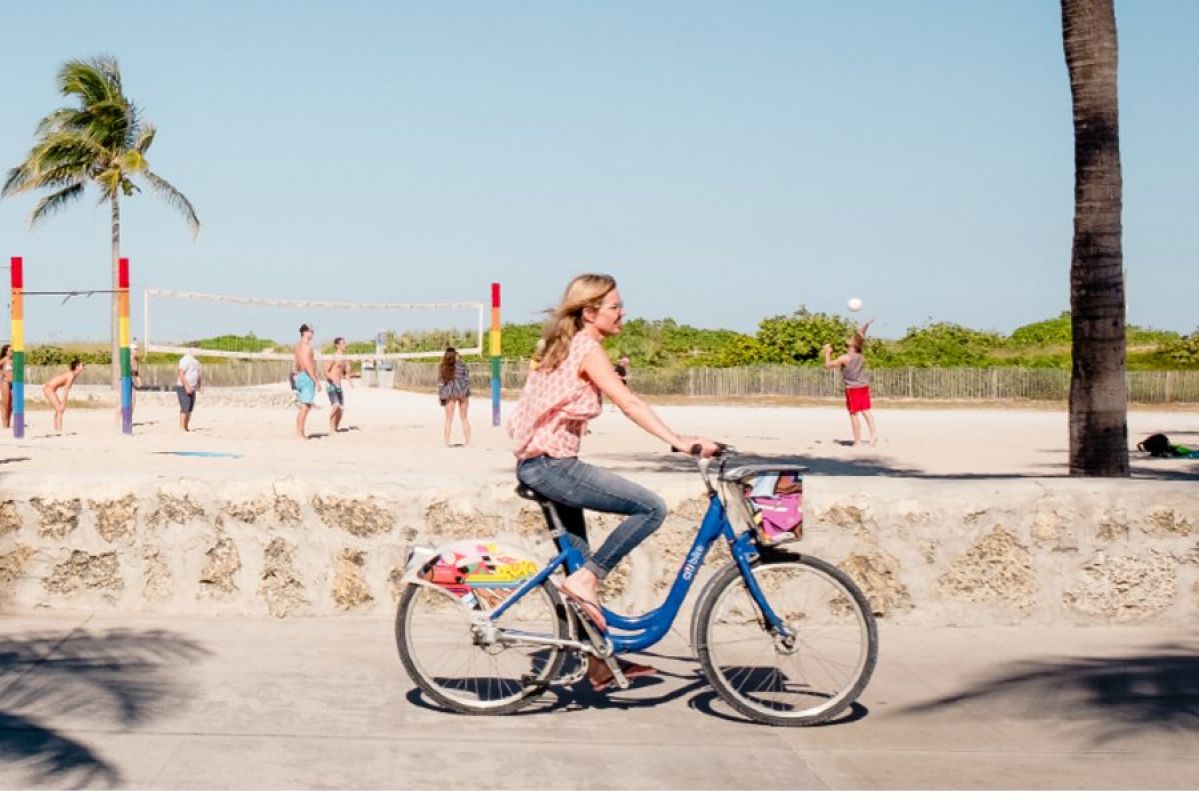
692 686
118 677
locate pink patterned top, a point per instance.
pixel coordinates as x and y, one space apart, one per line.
554 406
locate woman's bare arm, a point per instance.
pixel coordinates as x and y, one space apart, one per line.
599 371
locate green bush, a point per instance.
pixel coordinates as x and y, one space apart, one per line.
49 355
797 338
1049 331
946 344
1182 353
235 342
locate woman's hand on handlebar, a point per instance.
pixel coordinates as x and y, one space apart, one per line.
697 446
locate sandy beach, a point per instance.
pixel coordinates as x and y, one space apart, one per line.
395 436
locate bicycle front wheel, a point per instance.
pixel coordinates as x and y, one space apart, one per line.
811 674
445 650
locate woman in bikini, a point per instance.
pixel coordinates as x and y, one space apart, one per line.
6 385
560 395
64 382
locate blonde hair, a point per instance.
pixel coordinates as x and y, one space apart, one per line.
585 291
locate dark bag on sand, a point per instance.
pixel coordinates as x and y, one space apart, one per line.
1156 445
1159 446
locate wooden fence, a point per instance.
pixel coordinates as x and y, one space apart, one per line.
915 383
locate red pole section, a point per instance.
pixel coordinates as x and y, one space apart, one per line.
123 273
18 272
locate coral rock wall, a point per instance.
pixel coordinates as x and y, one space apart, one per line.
926 552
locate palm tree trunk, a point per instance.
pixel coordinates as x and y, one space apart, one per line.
1098 393
116 278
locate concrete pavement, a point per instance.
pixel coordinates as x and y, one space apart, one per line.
223 703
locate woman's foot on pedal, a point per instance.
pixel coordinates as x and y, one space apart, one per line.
601 678
593 610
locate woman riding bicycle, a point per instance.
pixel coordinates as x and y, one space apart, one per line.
562 393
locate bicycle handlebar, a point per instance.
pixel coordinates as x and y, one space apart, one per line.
697 449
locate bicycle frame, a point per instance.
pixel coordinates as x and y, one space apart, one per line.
646 630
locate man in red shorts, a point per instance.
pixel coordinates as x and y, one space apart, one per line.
857 388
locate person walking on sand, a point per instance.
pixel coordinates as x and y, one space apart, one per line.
63 381
306 382
335 372
560 395
187 384
454 389
857 388
6 385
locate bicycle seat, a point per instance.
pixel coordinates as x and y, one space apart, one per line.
529 493
736 469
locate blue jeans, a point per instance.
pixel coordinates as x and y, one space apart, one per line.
574 486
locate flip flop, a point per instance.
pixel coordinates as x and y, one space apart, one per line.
592 610
631 669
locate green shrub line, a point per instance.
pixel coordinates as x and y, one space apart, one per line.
792 339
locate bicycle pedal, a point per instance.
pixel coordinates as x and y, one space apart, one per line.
622 682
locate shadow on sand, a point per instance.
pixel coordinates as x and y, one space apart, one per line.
1114 697
870 464
120 677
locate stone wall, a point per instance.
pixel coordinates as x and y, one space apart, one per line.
926 552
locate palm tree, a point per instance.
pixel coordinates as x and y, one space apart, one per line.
101 141
1098 393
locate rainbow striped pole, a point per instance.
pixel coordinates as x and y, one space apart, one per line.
123 336
18 347
495 355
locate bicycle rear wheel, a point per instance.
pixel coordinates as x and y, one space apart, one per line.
807 678
443 649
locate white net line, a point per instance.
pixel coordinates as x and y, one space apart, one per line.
151 346
278 303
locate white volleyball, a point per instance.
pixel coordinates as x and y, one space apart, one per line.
854 304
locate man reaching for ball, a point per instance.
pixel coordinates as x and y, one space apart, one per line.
857 388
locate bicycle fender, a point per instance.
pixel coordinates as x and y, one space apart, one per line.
487 569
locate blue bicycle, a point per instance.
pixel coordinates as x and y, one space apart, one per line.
783 637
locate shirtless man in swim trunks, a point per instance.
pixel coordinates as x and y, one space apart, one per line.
64 382
334 373
307 383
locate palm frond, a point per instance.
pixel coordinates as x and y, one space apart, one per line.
60 119
85 81
54 202
16 182
145 138
174 198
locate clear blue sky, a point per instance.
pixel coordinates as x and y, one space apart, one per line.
725 160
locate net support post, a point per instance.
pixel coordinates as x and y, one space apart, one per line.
495 355
123 333
17 351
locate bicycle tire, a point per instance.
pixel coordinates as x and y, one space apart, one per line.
828 611
493 693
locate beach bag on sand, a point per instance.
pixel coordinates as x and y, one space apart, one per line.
775 502
1159 446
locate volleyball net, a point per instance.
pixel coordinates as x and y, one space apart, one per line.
268 328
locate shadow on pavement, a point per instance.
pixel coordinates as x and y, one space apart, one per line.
581 697
1119 696
121 676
